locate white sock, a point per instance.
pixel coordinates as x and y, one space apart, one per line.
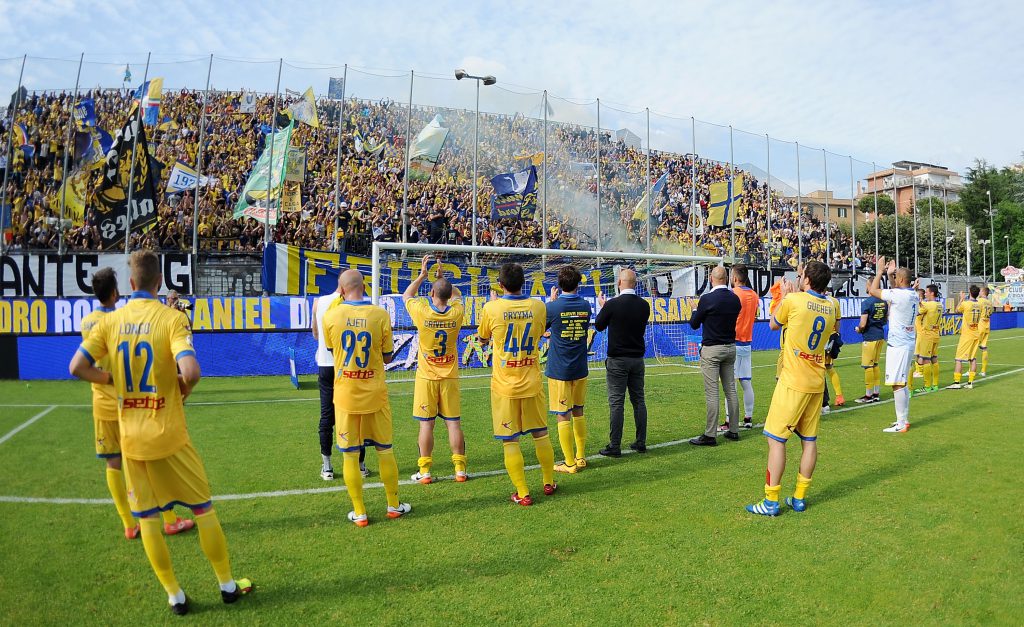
176 599
902 397
230 586
876 390
327 462
748 397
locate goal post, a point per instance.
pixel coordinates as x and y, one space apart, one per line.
669 283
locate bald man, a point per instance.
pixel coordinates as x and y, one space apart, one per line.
625 317
716 316
903 303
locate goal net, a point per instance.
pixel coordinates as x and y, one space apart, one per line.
669 283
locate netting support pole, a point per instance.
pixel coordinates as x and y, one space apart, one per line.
600 238
828 226
544 201
799 210
945 236
913 207
9 157
768 197
931 233
732 191
68 147
650 201
270 164
408 148
896 203
199 160
131 169
694 207
853 221
337 163
874 191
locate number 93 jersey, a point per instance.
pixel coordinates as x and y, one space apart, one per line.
809 319
142 342
438 331
358 334
515 325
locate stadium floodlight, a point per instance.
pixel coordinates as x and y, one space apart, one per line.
486 80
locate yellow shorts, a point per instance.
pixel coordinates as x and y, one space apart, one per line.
355 431
157 485
870 352
927 347
793 412
967 347
108 437
513 417
565 396
983 338
434 398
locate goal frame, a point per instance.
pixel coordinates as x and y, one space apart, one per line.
377 247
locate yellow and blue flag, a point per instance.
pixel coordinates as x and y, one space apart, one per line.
515 195
85 113
147 97
725 199
640 210
21 141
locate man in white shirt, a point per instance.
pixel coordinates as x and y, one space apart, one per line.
325 379
903 303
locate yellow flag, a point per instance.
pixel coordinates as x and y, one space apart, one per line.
73 192
305 110
725 199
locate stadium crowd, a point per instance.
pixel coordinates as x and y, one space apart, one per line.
371 185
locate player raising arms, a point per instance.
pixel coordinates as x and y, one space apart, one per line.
984 327
568 317
438 319
515 324
104 413
903 302
929 316
143 340
809 318
358 334
970 338
873 314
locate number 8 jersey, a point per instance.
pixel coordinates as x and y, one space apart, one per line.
515 325
809 319
358 334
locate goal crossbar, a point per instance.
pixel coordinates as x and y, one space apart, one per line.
378 247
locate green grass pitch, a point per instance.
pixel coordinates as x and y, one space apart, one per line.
923 527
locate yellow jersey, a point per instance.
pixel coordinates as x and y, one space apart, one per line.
438 332
358 334
985 323
808 319
515 326
971 310
929 318
104 397
144 339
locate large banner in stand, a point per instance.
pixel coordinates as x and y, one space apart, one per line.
68 276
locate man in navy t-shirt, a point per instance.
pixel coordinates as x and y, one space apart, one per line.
568 322
873 314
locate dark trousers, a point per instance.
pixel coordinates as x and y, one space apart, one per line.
325 379
626 373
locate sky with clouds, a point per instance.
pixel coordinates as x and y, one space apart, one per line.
937 81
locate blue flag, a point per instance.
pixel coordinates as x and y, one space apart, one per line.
85 113
515 195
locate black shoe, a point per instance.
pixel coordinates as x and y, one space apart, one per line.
638 447
703 440
180 609
748 424
611 451
242 588
732 435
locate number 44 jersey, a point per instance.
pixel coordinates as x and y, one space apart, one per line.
515 325
809 319
358 334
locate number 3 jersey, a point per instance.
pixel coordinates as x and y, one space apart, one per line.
358 334
142 342
438 331
809 319
515 325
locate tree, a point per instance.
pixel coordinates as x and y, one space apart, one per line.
886 207
927 232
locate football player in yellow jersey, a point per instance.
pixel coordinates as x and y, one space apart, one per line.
830 371
929 319
970 337
809 318
438 320
515 324
358 334
984 327
143 340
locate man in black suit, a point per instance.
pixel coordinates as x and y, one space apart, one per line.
717 312
625 317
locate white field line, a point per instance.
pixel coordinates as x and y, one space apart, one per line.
10 434
596 381
408 482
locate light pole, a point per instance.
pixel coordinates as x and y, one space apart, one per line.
984 257
991 227
487 80
1006 240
